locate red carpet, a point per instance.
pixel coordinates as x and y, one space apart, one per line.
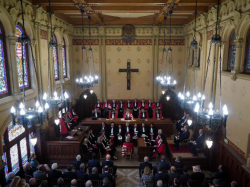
183 149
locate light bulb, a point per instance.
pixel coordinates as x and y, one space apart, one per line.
45 96
81 81
167 98
188 94
203 97
179 94
210 112
194 98
210 105
182 97
57 121
12 110
85 96
46 106
77 80
197 107
66 95
37 104
189 121
33 140
209 143
96 77
40 109
174 82
225 111
21 106
91 91
163 92
22 112
199 95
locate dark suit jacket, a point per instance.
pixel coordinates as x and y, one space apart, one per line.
108 175
98 115
172 176
107 163
184 135
161 176
39 175
143 165
178 164
184 177
200 141
146 131
220 175
69 175
198 176
122 132
94 163
94 177
82 175
114 131
77 164
165 165
106 129
54 174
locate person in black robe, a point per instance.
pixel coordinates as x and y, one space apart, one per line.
120 135
149 109
135 109
121 109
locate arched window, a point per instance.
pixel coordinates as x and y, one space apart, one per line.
247 56
4 72
19 32
64 60
232 52
56 68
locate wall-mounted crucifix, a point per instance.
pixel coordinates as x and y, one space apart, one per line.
128 70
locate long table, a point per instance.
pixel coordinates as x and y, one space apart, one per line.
65 151
165 124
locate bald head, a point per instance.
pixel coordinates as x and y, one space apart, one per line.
234 184
146 159
108 157
173 169
88 184
159 183
32 181
11 175
73 183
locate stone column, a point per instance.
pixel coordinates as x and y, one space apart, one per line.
156 59
238 56
103 70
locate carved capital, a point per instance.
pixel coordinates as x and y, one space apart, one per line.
33 43
239 43
60 47
12 40
234 74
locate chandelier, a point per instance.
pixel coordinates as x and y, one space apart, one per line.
186 100
165 79
88 80
211 117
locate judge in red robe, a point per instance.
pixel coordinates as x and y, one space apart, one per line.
128 144
160 149
128 105
64 126
113 115
128 115
114 105
158 105
157 115
74 115
142 104
143 114
98 105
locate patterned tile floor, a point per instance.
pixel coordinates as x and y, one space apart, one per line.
127 178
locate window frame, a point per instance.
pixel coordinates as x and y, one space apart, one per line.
6 64
247 51
65 54
27 62
231 43
56 48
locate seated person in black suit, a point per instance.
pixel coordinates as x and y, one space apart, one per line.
82 175
144 164
197 175
180 123
94 175
178 162
160 175
60 182
198 143
182 136
109 163
69 174
53 173
96 114
165 165
172 175
86 148
94 162
78 162
185 176
105 182
221 174
106 174
40 174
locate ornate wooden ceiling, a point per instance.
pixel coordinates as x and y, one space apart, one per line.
118 12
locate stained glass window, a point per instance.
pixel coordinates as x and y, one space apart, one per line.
232 51
64 59
247 57
14 159
23 146
32 148
4 158
14 131
19 49
56 67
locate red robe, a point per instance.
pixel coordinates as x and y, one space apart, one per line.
152 106
129 144
99 106
141 114
140 105
64 129
116 106
154 116
75 117
158 106
160 149
130 115
126 105
108 105
110 116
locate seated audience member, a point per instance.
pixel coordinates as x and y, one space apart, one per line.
44 184
144 164
121 108
33 162
88 184
143 114
32 182
184 135
128 144
98 105
198 143
221 174
147 176
40 174
165 165
69 174
54 173
128 115
197 175
106 173
120 135
205 184
10 177
82 175
160 136
160 175
182 122
109 163
27 169
159 183
87 150
92 137
178 162
234 184
172 175
73 183
94 162
94 175
105 182
158 105
60 182
96 114
104 136
78 162
103 148
176 182
143 131
185 176
157 115
112 115
160 149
